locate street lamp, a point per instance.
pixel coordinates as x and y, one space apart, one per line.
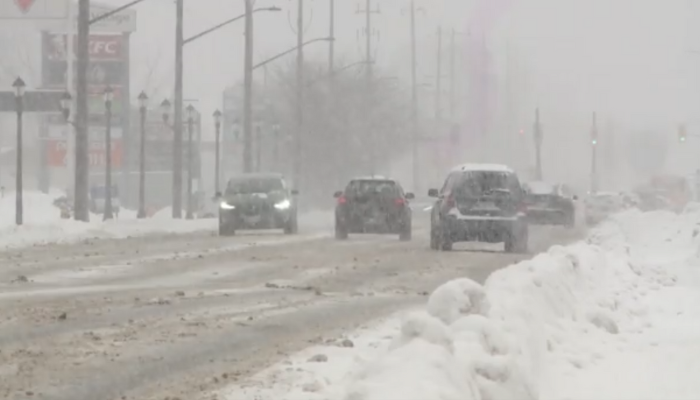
191 113
165 108
143 104
108 98
19 86
217 157
275 145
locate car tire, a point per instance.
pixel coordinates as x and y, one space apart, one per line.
517 242
439 240
226 230
291 227
341 232
570 221
406 232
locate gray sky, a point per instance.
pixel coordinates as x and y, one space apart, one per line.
629 60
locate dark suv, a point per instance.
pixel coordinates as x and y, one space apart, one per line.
257 201
373 205
483 203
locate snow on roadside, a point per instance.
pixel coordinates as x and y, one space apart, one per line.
42 224
613 317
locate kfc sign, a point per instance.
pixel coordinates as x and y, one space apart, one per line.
57 152
100 47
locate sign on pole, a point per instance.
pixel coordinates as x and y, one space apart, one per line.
23 10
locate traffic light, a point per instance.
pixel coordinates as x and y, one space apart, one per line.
521 132
682 135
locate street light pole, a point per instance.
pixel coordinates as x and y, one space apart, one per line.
177 142
82 160
143 103
299 95
217 157
538 145
108 97
19 204
248 89
594 154
190 128
414 99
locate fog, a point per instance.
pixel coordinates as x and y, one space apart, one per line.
630 61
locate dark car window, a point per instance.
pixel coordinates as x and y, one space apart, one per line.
361 188
257 185
479 183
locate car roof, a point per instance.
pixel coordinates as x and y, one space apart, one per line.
257 175
539 187
372 178
482 168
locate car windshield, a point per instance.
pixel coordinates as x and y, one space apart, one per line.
250 186
362 188
478 183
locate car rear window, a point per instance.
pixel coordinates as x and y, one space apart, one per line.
369 187
477 183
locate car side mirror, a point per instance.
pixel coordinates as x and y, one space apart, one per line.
337 194
294 192
218 195
433 193
575 197
410 196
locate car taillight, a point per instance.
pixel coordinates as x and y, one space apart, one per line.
449 202
342 200
400 202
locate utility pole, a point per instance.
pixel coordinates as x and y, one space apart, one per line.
82 161
414 98
248 90
438 79
299 95
177 118
594 154
331 44
452 75
369 77
538 145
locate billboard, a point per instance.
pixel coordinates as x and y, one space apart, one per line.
57 150
34 9
108 61
100 47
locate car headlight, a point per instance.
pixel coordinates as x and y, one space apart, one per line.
283 205
226 206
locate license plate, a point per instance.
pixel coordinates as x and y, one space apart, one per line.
486 205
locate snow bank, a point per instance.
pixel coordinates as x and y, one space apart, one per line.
42 223
501 340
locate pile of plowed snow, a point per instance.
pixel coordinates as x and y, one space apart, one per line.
497 341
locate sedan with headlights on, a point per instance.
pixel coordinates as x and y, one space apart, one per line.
257 201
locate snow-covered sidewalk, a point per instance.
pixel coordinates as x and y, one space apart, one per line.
42 223
615 317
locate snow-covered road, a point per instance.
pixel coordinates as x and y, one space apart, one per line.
180 316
